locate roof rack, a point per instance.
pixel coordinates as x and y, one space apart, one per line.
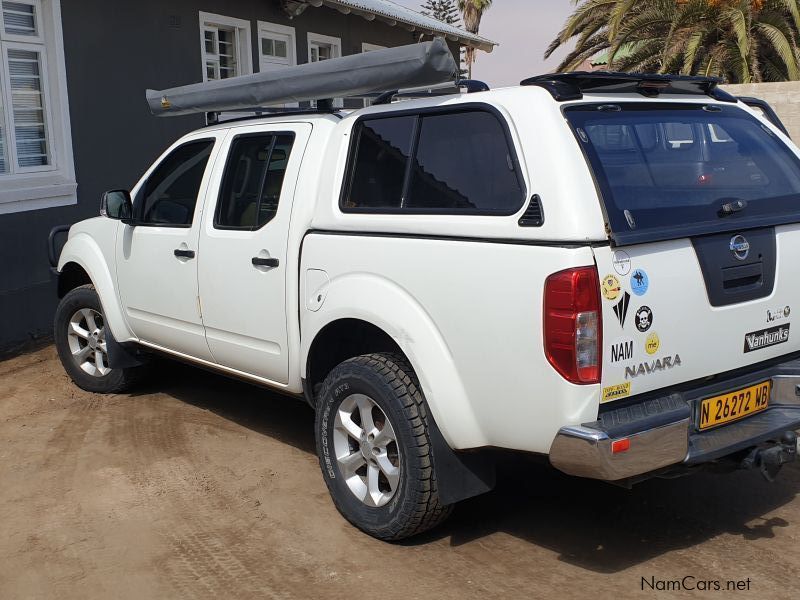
356 75
572 86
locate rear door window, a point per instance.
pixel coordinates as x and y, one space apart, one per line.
253 179
455 162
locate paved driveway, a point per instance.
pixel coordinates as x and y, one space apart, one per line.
201 487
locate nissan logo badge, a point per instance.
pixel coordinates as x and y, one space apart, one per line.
740 247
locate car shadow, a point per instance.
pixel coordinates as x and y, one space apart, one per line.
594 525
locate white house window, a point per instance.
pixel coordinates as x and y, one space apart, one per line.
19 18
276 46
36 166
24 143
225 46
323 47
277 49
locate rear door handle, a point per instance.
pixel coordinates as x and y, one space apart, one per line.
265 262
181 253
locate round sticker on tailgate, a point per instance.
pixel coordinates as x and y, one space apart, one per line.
644 318
622 262
639 282
610 286
652 344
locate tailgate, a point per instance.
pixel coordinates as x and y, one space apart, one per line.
685 309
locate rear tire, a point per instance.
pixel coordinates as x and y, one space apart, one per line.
374 448
80 336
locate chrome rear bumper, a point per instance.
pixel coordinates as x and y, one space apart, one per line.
662 431
586 452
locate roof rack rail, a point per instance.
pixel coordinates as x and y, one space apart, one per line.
354 76
572 86
462 85
324 107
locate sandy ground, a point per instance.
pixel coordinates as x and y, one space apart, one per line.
201 487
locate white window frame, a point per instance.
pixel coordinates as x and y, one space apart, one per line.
47 186
264 29
243 43
11 137
33 39
317 38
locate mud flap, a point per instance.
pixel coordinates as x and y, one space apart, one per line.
122 356
460 475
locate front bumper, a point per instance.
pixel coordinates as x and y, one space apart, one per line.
662 432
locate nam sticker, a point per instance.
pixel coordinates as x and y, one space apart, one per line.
610 287
615 392
622 351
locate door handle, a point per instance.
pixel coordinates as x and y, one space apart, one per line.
265 262
181 253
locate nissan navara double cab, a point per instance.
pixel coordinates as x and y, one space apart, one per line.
597 268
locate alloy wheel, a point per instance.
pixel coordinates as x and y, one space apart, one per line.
86 335
366 450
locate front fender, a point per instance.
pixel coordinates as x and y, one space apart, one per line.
386 305
84 251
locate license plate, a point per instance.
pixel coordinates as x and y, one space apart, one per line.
734 405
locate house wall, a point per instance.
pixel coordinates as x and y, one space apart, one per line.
113 52
784 97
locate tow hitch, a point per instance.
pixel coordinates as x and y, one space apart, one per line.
770 460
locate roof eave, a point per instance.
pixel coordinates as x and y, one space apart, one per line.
463 38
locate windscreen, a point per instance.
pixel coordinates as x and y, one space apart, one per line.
670 170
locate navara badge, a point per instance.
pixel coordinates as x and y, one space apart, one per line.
740 247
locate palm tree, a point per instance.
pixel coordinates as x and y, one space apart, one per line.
471 13
739 40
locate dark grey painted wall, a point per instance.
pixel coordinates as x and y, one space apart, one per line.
114 51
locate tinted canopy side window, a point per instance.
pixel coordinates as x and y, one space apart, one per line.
169 195
435 163
463 163
382 150
253 179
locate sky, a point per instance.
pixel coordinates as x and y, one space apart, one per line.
523 29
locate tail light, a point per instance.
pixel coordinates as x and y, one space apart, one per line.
573 324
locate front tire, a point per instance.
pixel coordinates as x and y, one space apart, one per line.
374 448
80 334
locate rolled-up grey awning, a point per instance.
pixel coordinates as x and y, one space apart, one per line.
416 65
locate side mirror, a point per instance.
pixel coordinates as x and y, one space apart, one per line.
116 204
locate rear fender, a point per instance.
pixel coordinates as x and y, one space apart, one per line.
384 304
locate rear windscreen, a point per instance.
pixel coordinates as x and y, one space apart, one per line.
663 167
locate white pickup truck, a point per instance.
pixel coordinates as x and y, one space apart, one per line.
597 268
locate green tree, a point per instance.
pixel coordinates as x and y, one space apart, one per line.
441 10
472 13
741 41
